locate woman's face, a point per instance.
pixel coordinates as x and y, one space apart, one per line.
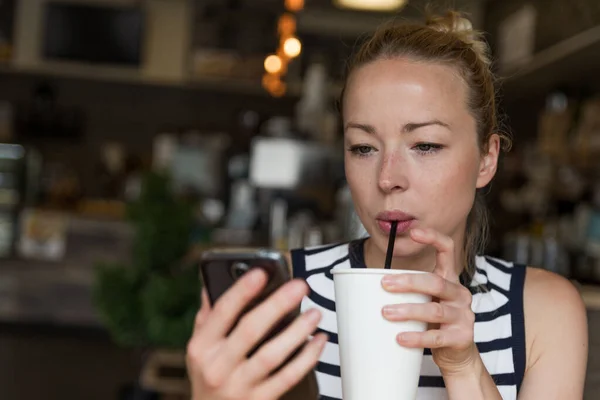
412 152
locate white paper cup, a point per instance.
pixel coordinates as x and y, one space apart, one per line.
373 364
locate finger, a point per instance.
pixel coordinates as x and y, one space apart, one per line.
435 339
429 284
293 372
277 350
428 312
255 325
445 251
194 348
204 310
227 309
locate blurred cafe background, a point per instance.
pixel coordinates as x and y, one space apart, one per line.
136 133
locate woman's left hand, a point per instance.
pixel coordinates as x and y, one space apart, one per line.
451 320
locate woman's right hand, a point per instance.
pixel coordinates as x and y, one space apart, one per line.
218 366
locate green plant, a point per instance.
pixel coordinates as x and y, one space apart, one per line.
153 301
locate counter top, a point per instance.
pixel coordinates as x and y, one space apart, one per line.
591 296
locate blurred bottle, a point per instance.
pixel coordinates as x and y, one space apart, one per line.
314 115
303 231
12 194
278 225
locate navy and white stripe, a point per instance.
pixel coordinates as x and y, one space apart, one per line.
497 288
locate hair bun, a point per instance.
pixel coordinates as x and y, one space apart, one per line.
463 25
453 22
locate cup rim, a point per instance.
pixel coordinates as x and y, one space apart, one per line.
374 271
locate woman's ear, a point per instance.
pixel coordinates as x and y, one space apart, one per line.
489 162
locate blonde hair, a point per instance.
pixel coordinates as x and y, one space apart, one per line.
448 39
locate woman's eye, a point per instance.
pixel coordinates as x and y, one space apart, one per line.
361 150
427 147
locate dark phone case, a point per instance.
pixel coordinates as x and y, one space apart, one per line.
217 276
215 269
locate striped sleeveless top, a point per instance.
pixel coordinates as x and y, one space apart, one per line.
497 289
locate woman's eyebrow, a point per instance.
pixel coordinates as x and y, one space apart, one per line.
409 127
363 127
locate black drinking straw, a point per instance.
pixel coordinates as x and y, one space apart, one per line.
390 248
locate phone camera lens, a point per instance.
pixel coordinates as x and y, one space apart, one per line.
238 269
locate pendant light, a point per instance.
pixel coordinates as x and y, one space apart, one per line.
290 47
371 5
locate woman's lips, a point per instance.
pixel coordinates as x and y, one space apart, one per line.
403 226
384 221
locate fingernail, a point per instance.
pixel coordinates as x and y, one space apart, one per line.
320 340
393 281
388 280
391 311
313 315
418 232
299 287
255 276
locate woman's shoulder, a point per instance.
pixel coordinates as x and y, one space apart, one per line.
554 313
549 292
549 295
541 283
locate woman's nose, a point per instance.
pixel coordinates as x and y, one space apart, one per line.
392 175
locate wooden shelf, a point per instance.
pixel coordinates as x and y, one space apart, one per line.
134 77
572 63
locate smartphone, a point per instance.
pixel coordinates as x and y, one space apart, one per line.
220 268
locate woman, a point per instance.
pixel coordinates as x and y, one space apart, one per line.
422 140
